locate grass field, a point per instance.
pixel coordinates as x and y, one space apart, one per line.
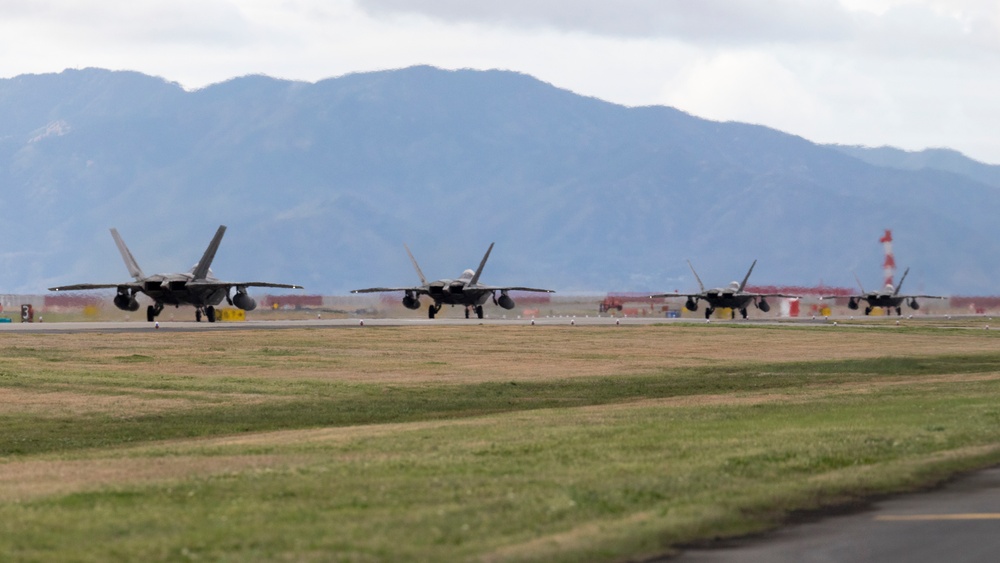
471 442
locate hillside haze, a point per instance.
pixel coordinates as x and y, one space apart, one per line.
322 183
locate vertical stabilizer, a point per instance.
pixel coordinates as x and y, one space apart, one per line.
900 285
200 270
133 267
475 278
416 266
746 278
857 279
701 286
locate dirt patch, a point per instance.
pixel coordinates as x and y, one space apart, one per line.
134 403
460 354
25 480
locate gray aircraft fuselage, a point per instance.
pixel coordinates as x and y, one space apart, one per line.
177 289
457 292
728 298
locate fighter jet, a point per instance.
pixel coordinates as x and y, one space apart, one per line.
732 296
197 287
889 298
466 290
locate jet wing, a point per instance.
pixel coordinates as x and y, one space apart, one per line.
509 288
89 286
421 290
772 295
659 295
921 296
225 285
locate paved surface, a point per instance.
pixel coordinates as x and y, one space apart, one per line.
138 325
956 524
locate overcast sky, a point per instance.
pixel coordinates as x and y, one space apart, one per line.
907 73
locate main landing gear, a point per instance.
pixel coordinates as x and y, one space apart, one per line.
432 310
153 311
477 308
209 313
732 314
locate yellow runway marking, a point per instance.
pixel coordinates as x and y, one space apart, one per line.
936 517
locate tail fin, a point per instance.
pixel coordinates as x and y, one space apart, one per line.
857 279
200 270
133 267
475 278
416 266
900 284
701 286
747 277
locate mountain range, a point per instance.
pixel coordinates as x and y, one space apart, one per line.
322 183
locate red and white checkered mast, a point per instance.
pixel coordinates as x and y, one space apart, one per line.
889 267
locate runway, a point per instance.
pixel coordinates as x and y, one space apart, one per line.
586 321
191 326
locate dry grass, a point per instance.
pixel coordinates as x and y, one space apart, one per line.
462 355
77 376
25 480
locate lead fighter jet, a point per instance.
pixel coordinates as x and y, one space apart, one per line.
197 287
466 290
732 297
889 298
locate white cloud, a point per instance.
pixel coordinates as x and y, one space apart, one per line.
911 73
717 21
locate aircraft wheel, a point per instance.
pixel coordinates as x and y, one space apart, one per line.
150 313
197 315
479 311
868 311
210 314
899 311
708 312
743 312
430 312
466 312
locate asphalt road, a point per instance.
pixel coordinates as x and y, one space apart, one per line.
959 523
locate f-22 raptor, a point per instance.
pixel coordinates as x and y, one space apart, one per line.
466 290
197 287
888 299
731 297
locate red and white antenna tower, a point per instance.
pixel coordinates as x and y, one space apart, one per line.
889 267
